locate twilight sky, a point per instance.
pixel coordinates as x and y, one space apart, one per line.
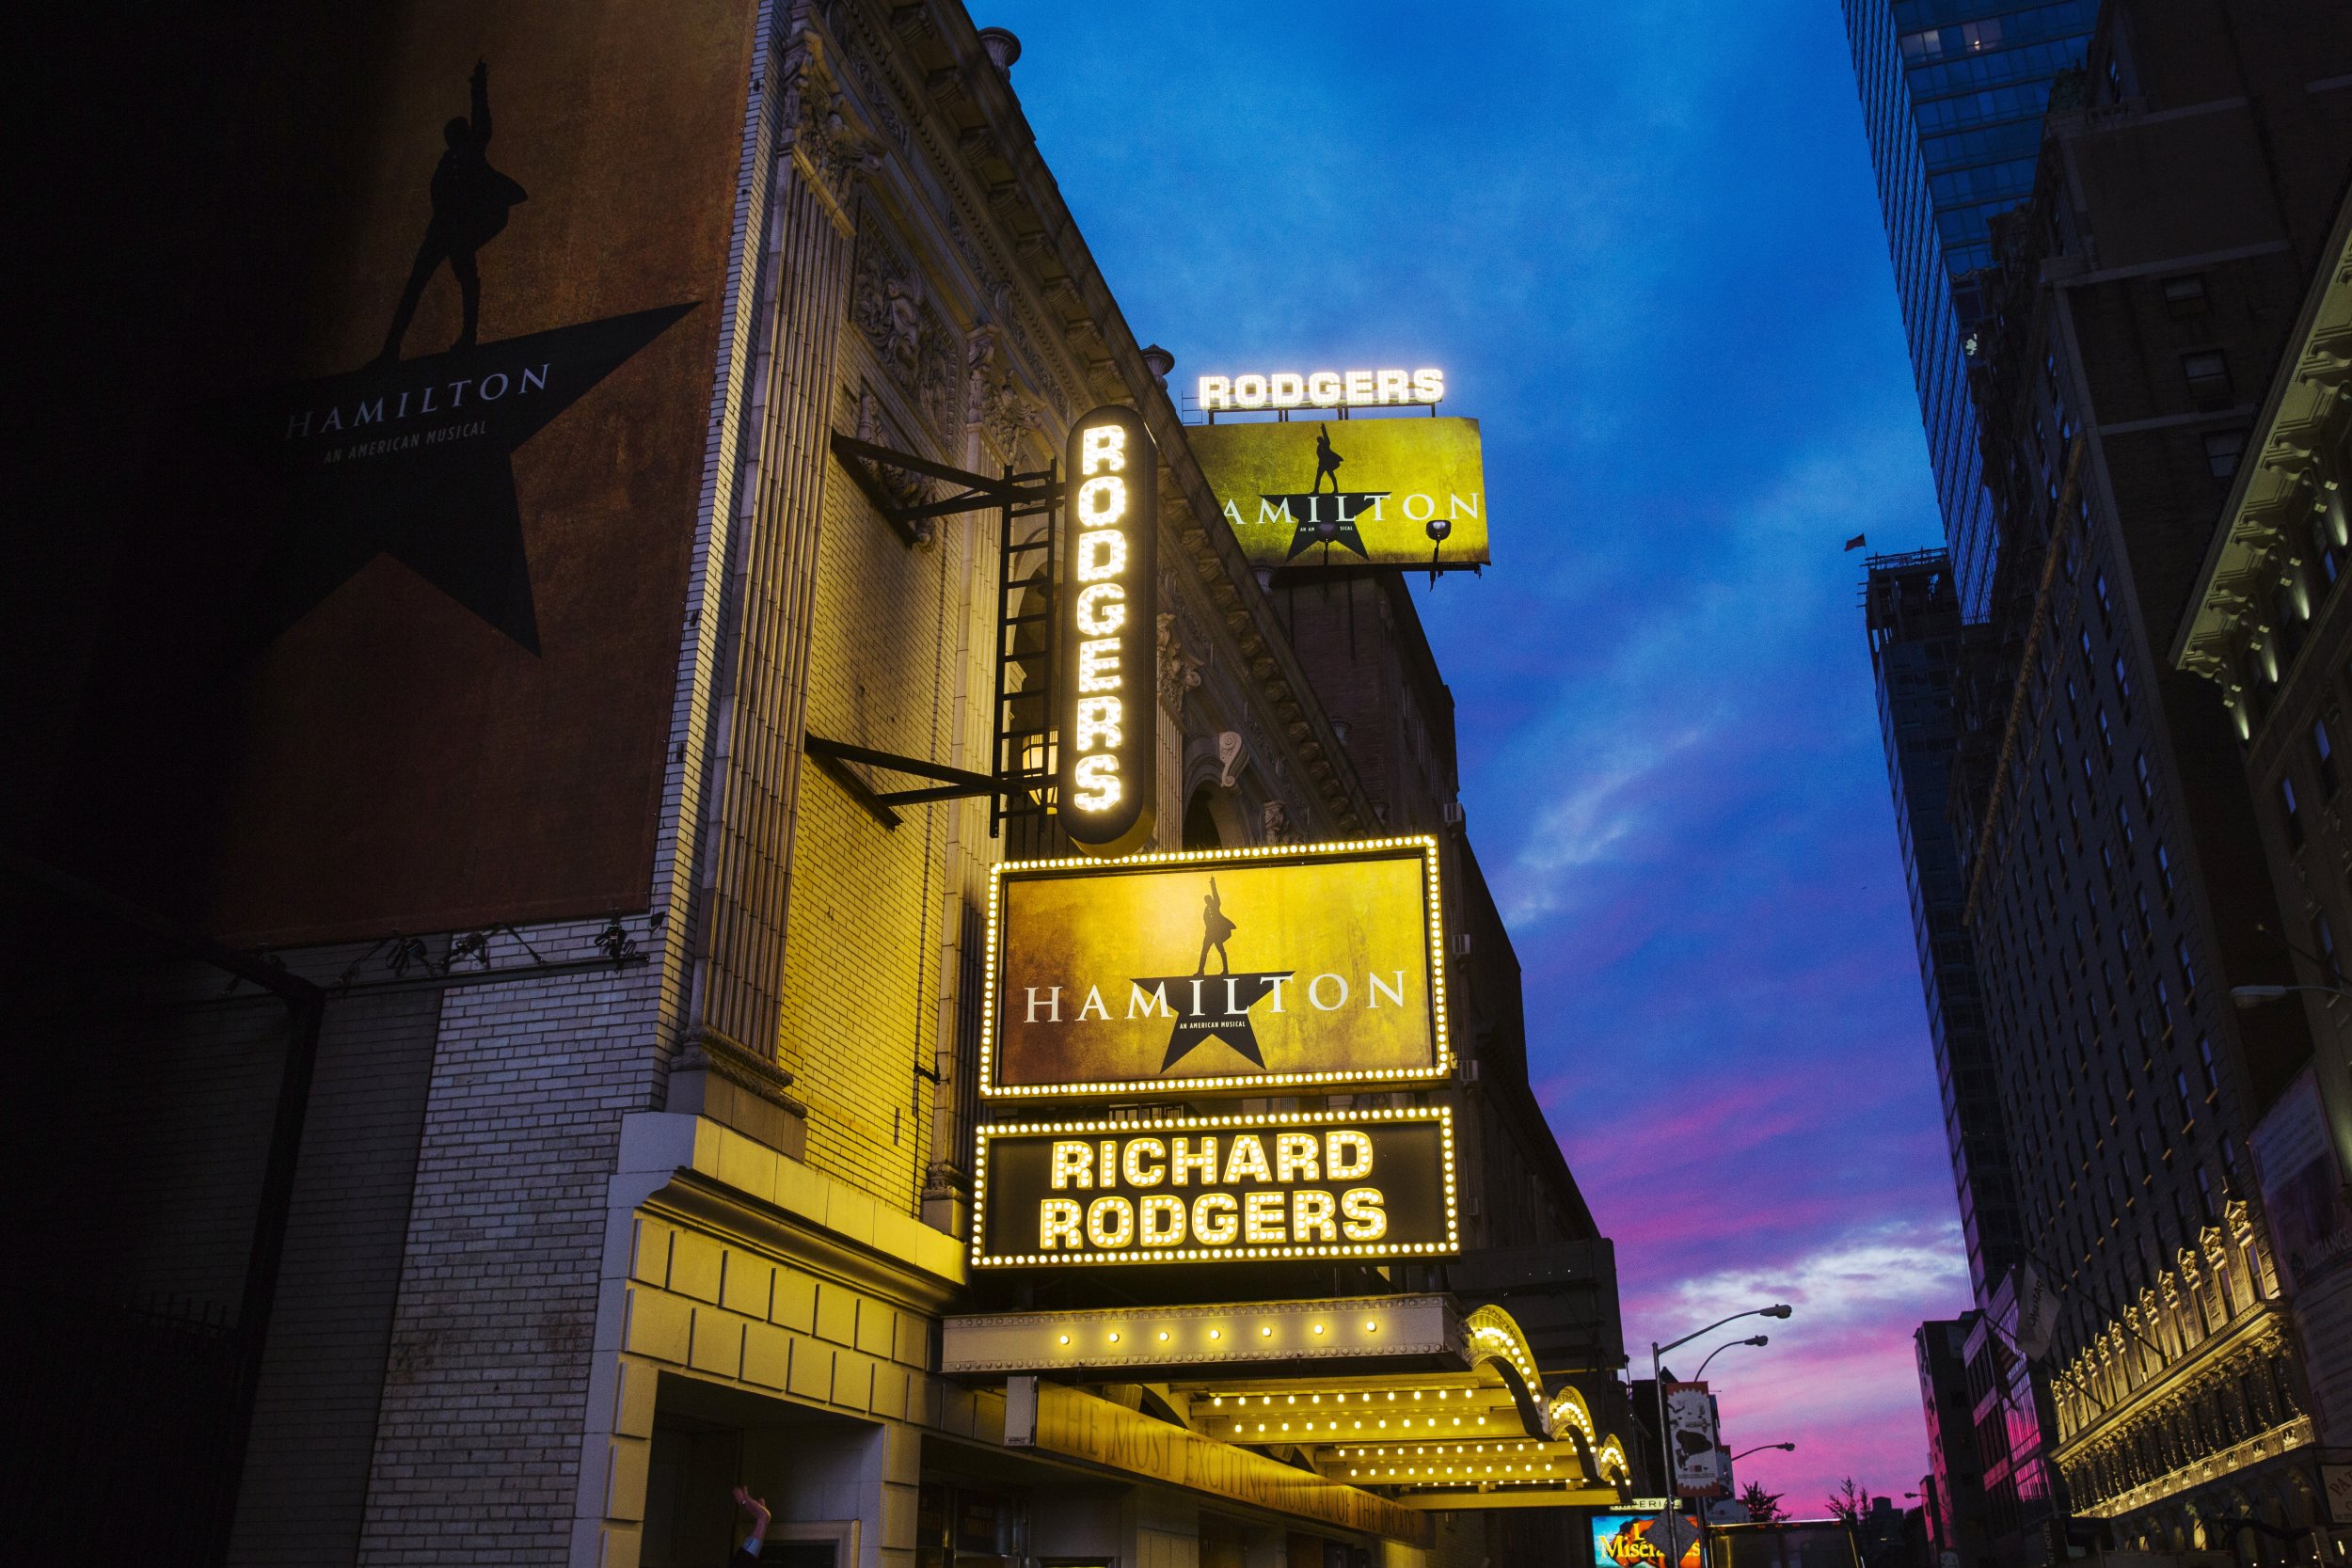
1644 241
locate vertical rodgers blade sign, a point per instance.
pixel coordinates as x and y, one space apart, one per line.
1104 627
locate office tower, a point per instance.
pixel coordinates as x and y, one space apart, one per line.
1952 100
2112 879
1913 614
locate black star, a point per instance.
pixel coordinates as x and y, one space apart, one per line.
412 458
1337 510
1213 1007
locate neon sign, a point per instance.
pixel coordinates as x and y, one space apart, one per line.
1376 1183
1107 628
1322 389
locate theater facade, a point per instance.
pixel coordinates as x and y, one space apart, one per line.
766 893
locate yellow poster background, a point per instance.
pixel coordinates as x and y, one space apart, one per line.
1105 929
1428 467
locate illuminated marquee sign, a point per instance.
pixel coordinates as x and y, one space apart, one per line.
1217 1189
1289 965
1107 663
1321 389
1349 492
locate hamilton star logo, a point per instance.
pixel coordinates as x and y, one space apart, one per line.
1326 518
413 459
1213 1007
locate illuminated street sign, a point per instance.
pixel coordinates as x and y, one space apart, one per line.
1349 492
1107 663
1321 389
1217 1189
1283 966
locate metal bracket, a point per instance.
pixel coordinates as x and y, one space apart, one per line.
834 757
861 458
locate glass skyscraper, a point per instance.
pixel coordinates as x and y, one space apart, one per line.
1952 99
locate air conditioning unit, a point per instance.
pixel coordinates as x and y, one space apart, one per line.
1461 944
1454 814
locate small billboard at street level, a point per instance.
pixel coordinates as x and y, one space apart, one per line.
1398 491
1292 965
1185 1190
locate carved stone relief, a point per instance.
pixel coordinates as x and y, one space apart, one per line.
994 400
893 309
821 134
1180 672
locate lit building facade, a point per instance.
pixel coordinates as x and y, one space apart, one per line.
2110 867
2268 626
1953 93
599 1082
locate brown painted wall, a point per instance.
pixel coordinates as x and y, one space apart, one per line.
283 733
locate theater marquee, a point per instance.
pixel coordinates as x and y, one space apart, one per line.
1316 964
1316 492
1217 1189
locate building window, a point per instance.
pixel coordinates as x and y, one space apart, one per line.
2106 734
2106 608
2288 809
2188 971
2147 786
2183 296
2205 1065
2324 939
2223 447
2147 925
2324 550
2204 1194
2207 373
2164 868
2324 758
2123 683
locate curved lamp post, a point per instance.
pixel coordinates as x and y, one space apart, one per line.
1785 1447
1658 1386
1700 1375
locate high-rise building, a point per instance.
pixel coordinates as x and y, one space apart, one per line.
2271 626
2111 874
1953 1494
1952 98
1913 614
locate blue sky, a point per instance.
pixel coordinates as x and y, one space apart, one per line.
1644 241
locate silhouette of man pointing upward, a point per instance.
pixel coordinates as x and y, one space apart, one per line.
470 203
1326 461
1214 930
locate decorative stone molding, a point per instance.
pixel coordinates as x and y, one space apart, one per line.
722 1078
1180 672
831 153
893 309
994 402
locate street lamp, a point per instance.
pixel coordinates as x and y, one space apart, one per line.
1701 1375
1658 1385
1785 1447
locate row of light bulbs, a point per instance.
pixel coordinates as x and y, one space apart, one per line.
1266 1331
1396 1396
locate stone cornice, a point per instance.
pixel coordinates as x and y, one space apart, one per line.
2282 473
959 105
